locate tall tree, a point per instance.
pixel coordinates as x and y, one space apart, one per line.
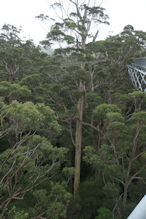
74 29
121 156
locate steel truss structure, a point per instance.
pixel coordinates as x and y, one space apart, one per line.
137 72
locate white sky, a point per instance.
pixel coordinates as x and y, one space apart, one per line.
23 12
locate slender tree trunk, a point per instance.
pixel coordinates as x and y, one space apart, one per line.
125 195
78 139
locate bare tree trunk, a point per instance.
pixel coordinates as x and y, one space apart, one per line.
125 195
78 139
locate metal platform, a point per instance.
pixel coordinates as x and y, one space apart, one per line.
140 211
137 72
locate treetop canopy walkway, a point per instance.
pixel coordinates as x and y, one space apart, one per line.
137 72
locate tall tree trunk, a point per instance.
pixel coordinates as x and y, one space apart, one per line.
78 139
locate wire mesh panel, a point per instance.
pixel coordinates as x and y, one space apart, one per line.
137 72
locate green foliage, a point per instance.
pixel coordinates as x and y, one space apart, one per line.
139 117
29 117
38 116
16 214
35 160
62 198
104 213
22 116
69 172
89 198
104 109
114 116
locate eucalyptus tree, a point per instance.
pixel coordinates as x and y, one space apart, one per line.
121 155
76 25
32 161
11 52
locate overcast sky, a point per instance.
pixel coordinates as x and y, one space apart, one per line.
23 12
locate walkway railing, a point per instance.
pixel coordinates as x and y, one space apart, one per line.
138 77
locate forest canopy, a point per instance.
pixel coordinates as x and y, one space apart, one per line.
72 126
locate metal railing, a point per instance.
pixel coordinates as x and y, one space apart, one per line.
137 72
